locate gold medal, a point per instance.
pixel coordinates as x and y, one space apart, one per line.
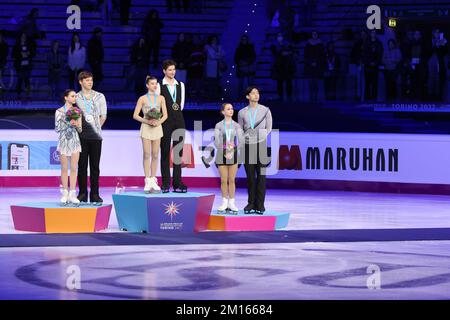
175 106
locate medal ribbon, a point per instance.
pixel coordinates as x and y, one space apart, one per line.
252 117
87 103
150 101
174 94
228 131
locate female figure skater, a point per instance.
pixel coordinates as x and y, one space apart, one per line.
153 107
227 136
69 145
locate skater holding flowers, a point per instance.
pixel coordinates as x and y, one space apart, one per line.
68 125
153 107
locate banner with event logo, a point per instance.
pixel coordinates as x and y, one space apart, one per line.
403 158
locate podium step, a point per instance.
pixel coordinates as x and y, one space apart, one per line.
269 221
52 217
163 212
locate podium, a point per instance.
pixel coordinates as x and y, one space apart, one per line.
163 212
269 221
51 217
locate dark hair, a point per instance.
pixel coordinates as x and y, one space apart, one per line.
222 108
66 93
168 63
151 13
211 37
84 75
149 78
72 46
249 89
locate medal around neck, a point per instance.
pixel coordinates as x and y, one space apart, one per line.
175 106
90 118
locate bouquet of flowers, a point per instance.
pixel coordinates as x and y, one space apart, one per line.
73 113
153 114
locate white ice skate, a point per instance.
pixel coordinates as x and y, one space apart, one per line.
148 185
232 206
154 188
223 207
64 197
73 197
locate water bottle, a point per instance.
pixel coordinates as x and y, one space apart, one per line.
120 188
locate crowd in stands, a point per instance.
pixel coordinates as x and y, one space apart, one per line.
200 59
412 65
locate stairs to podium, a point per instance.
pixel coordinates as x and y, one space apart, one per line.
163 212
52 217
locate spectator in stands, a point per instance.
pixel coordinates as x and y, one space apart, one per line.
125 6
372 57
196 67
357 63
139 62
245 61
4 49
106 9
55 62
417 62
215 66
177 5
286 19
151 29
315 63
23 54
283 66
181 51
76 60
307 8
392 58
332 71
29 26
96 55
406 66
437 69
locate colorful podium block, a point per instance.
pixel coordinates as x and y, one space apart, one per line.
163 212
51 217
269 221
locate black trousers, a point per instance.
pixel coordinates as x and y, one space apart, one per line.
280 88
166 142
91 151
23 76
391 84
73 79
371 79
124 11
256 176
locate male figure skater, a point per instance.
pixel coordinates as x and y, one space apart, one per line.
93 106
174 93
256 121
